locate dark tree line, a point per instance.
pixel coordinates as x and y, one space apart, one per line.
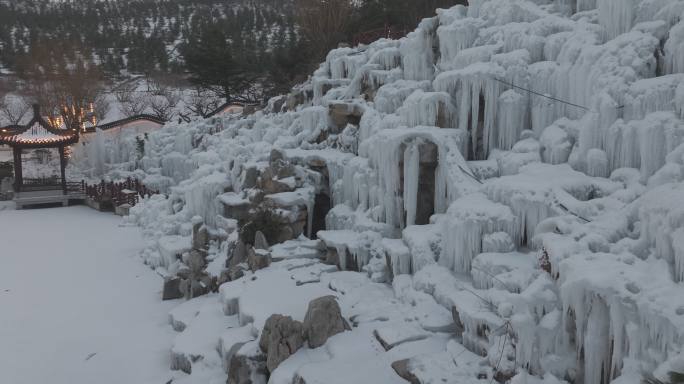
242 50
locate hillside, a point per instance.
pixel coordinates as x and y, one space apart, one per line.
496 196
138 36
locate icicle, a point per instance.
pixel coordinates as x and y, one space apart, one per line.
411 174
597 344
416 51
679 100
511 118
556 145
651 95
616 16
429 109
309 215
468 219
597 163
456 37
674 50
470 86
440 188
574 6
652 142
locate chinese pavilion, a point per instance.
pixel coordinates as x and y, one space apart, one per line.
39 133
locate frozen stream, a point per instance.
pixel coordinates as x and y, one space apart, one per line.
77 306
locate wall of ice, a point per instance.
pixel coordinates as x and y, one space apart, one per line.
546 136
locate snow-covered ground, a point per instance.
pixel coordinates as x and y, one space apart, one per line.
506 181
77 305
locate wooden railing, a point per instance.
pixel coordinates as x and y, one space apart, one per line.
125 192
51 183
41 184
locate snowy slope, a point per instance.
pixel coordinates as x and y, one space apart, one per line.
519 162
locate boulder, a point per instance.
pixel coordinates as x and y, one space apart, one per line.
184 272
196 262
180 362
294 99
457 320
276 156
250 177
237 271
277 179
238 254
281 337
342 114
401 367
248 365
258 259
223 277
323 319
278 103
171 289
238 210
260 241
200 236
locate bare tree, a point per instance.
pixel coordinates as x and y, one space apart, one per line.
131 103
136 105
124 92
164 103
43 93
101 106
61 89
14 109
203 101
324 23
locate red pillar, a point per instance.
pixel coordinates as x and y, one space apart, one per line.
62 168
18 177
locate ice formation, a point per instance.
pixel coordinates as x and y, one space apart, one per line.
516 163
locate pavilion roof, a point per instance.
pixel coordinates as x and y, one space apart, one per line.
38 133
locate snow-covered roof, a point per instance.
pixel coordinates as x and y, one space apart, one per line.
37 133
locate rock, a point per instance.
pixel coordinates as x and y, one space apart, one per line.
196 262
237 271
272 179
200 236
332 257
294 99
278 103
281 337
279 166
238 210
184 272
390 336
323 319
250 177
401 367
248 365
342 114
238 254
171 289
190 288
224 277
276 156
457 320
231 340
260 241
180 362
258 259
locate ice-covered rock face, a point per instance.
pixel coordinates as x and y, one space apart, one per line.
517 164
